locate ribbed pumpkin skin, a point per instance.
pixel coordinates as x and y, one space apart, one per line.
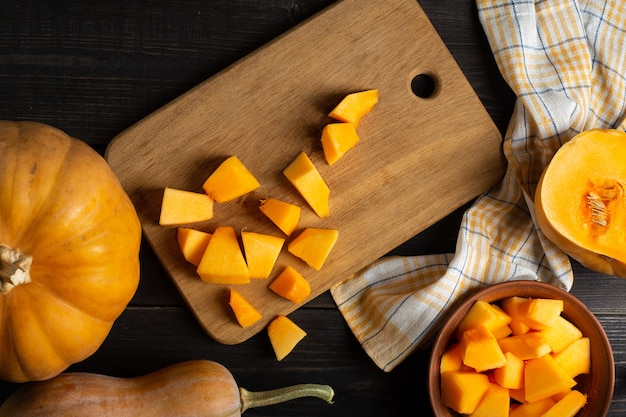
198 388
61 204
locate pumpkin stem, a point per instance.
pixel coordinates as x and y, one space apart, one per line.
14 268
263 398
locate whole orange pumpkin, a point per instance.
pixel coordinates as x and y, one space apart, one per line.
69 250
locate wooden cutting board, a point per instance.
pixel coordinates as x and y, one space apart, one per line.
418 158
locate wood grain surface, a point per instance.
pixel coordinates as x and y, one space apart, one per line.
409 170
95 68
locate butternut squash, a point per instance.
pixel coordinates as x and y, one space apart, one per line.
186 389
580 202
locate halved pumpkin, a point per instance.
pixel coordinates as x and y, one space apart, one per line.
580 203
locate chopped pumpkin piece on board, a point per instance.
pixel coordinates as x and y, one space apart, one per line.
337 139
261 252
223 261
183 207
230 180
291 285
284 335
313 245
303 175
284 215
192 243
354 106
245 313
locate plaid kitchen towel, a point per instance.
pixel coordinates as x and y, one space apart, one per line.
566 63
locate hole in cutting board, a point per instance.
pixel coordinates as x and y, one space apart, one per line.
423 85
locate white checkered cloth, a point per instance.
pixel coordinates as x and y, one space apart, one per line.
566 63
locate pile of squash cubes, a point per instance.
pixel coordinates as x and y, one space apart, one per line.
517 358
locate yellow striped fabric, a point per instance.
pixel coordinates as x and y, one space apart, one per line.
566 63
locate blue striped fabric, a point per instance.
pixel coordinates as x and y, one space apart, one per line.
566 63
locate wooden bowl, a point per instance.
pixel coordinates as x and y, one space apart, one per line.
598 385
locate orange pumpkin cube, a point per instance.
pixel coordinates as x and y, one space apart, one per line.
451 360
567 406
284 215
182 207
261 252
525 346
223 261
463 391
245 313
303 175
482 313
229 181
511 307
291 285
511 374
540 313
561 334
534 409
502 332
495 403
337 139
480 350
313 245
576 358
354 106
192 243
517 394
284 335
544 377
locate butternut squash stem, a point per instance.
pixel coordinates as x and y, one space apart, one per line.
264 398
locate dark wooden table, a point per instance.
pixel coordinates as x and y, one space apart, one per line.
94 68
